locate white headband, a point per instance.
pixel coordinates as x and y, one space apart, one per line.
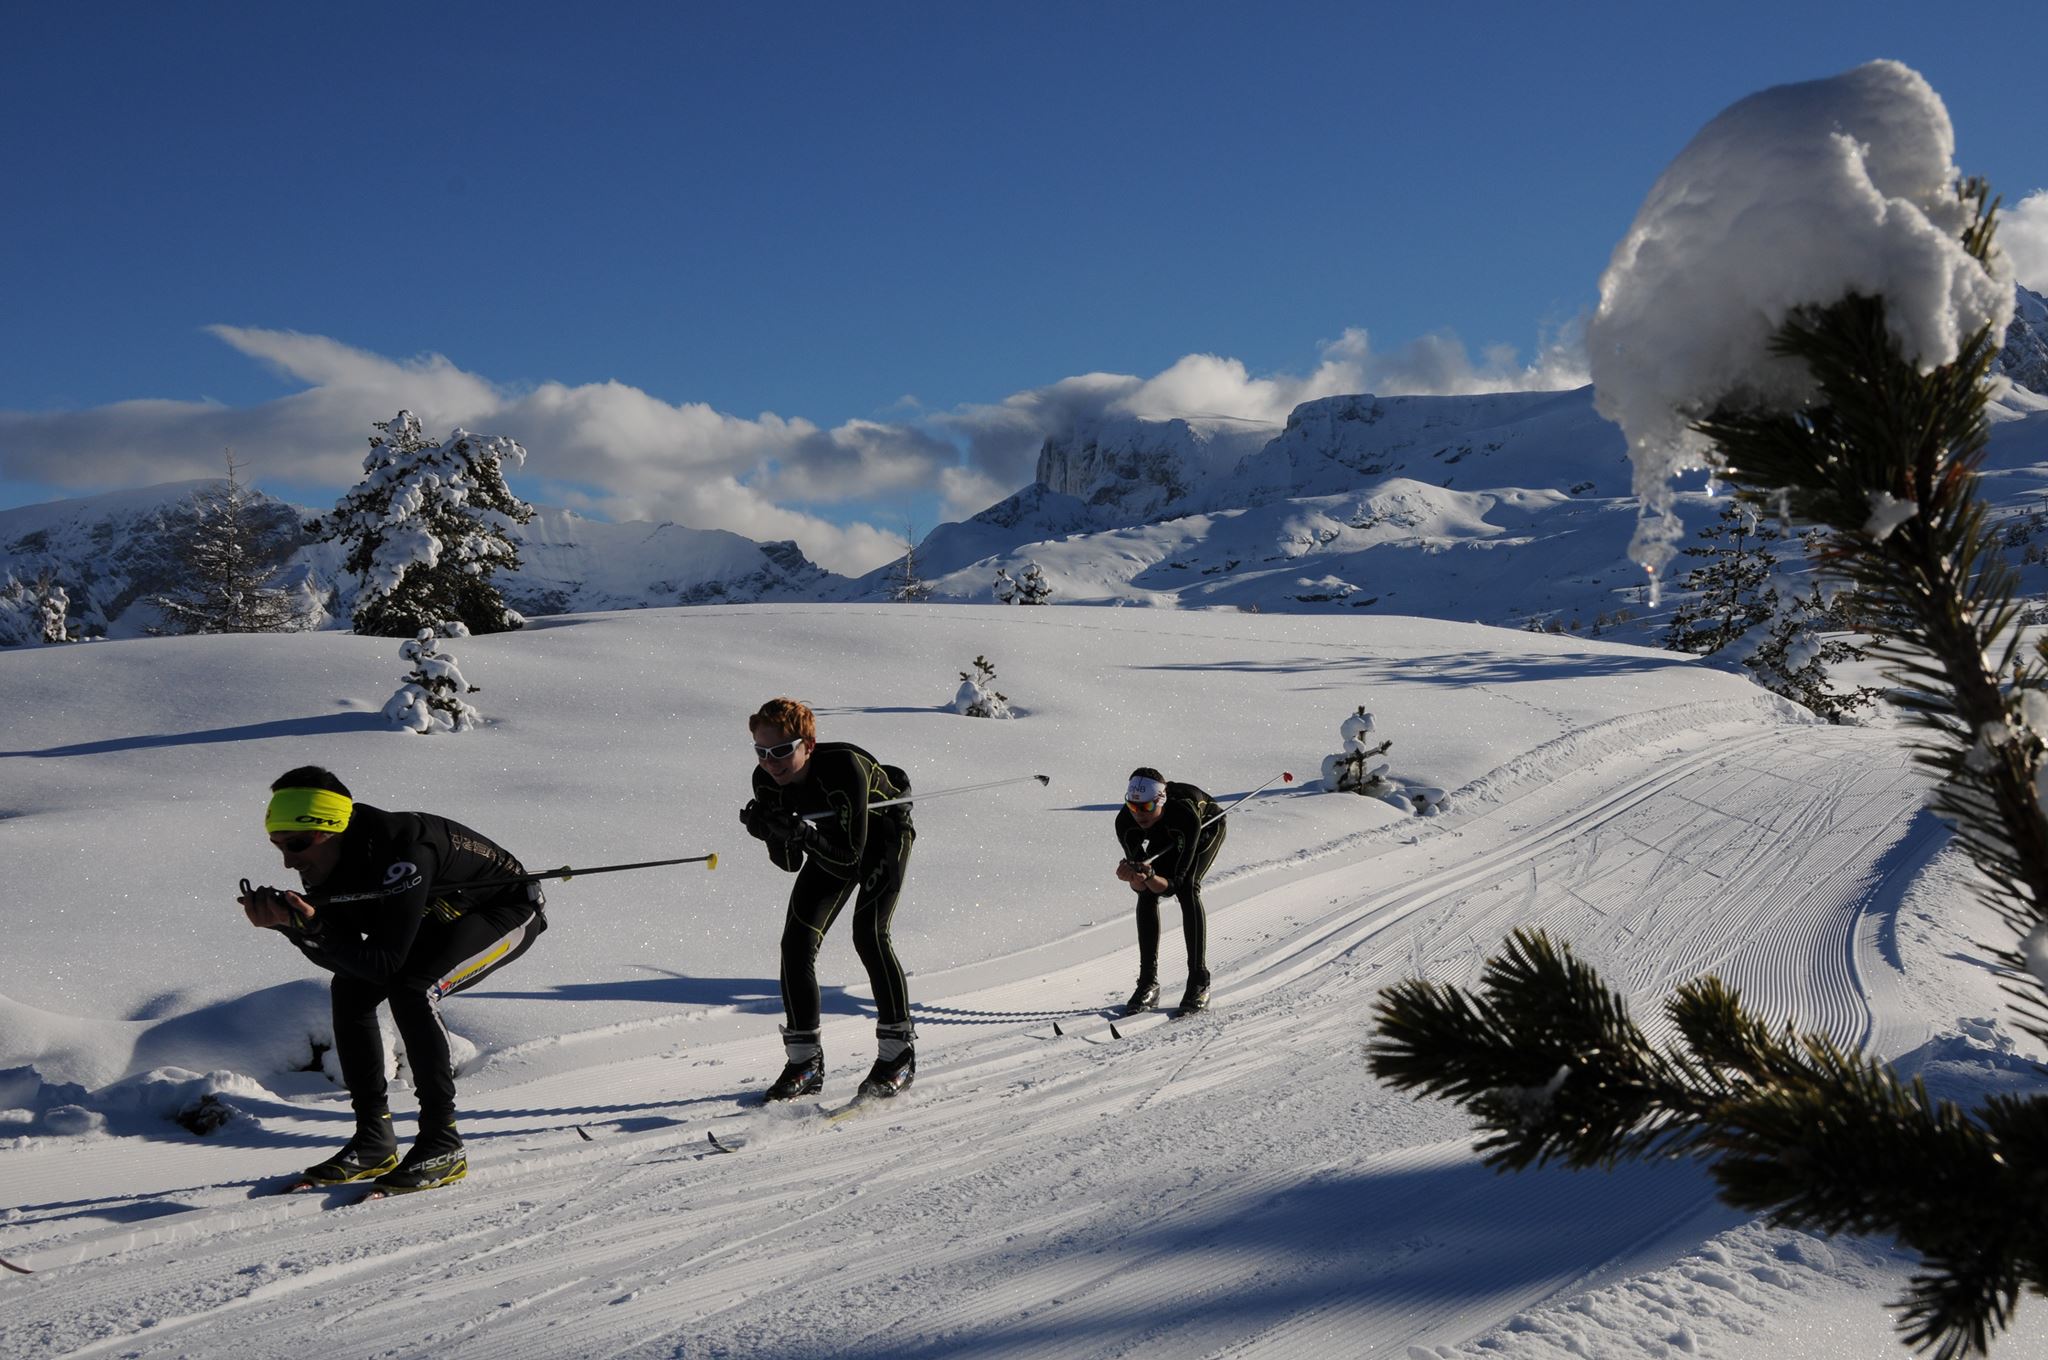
1143 790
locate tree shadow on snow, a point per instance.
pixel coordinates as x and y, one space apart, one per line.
1452 668
333 724
1415 1241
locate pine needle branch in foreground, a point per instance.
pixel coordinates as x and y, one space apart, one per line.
1553 1070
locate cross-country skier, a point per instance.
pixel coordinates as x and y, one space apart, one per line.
1161 820
416 936
849 850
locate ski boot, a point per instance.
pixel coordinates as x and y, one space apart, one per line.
372 1152
1196 998
1144 998
436 1159
800 1077
895 1062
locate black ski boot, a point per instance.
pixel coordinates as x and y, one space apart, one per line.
1144 998
805 1077
436 1159
890 1075
1196 998
895 1060
372 1152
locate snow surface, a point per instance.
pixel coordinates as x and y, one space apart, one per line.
1234 1184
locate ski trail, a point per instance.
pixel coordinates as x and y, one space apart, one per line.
1230 1184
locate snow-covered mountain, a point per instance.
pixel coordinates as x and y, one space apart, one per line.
2024 357
113 553
1411 505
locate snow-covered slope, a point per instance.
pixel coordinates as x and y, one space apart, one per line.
1233 1184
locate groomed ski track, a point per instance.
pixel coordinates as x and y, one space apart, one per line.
1231 1184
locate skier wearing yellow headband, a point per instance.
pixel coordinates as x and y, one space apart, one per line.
384 908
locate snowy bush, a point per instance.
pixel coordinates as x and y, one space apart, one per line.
430 700
1357 768
38 612
426 528
977 696
1032 587
1005 586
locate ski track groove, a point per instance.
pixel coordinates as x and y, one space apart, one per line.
629 1244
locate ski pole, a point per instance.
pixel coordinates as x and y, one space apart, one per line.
565 872
1283 775
940 793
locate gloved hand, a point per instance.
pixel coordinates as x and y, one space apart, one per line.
755 819
794 832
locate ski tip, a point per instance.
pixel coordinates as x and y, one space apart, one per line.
1113 1032
19 1270
1056 1028
717 1146
583 1135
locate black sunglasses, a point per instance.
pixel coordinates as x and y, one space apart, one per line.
776 752
296 845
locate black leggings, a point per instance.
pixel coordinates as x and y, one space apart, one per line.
1194 921
815 902
447 957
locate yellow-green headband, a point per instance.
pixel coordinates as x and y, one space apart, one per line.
308 810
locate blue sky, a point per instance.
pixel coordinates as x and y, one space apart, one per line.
626 234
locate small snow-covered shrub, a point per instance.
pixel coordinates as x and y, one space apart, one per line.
977 696
430 699
1357 768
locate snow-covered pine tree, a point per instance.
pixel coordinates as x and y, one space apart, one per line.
977 696
1032 587
909 586
228 553
1794 1125
53 610
425 529
431 697
21 614
1732 593
1796 651
1738 600
1005 587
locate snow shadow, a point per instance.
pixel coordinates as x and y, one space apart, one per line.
761 996
1459 1242
1451 668
332 724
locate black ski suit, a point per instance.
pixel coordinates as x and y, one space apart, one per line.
424 937
1185 853
851 848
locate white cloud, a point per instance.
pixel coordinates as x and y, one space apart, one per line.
2023 232
613 449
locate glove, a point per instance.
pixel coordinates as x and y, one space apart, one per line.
755 819
794 833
